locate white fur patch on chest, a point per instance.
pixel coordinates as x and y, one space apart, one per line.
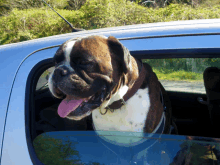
130 117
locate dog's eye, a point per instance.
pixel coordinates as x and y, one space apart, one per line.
84 63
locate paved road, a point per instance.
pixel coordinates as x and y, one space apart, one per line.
195 87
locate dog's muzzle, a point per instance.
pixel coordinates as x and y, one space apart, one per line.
66 83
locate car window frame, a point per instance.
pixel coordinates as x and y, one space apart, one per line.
33 77
18 82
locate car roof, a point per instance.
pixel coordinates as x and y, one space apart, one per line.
139 30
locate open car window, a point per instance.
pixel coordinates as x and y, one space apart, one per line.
182 74
58 140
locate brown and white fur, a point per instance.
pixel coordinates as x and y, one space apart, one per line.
101 70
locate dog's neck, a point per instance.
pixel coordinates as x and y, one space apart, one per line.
130 117
127 86
135 67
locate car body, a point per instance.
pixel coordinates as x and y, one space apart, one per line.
20 62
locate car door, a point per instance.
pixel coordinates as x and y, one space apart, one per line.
15 149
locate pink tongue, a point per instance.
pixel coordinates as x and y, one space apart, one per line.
66 107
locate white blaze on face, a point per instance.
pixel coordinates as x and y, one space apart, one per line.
69 45
68 48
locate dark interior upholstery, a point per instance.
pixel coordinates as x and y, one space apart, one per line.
212 85
47 118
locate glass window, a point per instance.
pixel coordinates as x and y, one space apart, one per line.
71 147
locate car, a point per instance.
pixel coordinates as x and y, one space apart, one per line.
30 132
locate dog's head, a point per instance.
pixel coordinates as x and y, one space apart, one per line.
88 71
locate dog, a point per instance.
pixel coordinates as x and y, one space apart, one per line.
97 75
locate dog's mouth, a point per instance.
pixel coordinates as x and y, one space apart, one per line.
69 104
77 109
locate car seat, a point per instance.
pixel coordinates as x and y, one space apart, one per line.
51 121
211 78
170 127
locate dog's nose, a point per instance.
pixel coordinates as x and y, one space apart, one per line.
61 71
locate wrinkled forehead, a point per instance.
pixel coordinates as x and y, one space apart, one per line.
95 46
83 40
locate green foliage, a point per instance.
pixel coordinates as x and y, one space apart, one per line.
108 13
187 69
7 5
33 23
28 24
195 152
74 4
178 75
197 65
52 150
55 151
4 7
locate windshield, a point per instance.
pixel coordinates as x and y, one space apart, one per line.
86 147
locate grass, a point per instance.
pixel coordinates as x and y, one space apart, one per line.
178 75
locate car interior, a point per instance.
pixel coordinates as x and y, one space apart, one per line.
193 113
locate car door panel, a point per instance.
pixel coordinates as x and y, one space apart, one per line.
15 149
192 117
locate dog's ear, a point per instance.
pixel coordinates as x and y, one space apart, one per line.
122 52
